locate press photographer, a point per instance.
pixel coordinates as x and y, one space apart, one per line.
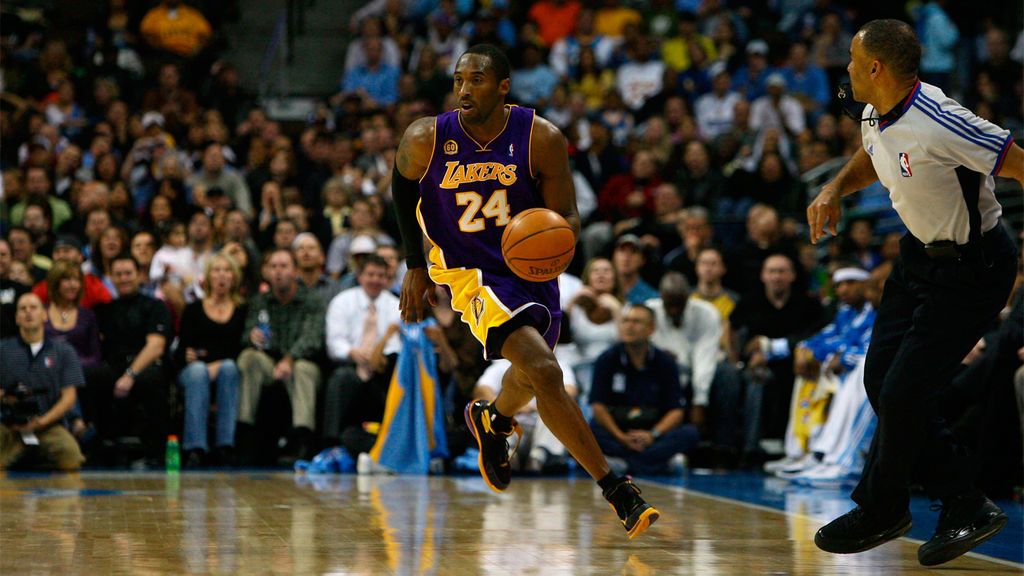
38 381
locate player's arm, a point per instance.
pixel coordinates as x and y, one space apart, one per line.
549 158
411 163
857 174
1013 165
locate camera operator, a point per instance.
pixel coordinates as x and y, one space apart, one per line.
38 382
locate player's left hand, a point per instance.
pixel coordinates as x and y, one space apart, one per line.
415 286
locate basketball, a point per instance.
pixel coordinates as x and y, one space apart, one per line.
538 244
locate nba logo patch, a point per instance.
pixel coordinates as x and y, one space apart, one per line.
511 150
478 309
905 165
451 147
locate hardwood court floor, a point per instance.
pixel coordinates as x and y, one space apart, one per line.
277 523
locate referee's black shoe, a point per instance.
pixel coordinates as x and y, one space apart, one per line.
965 522
859 530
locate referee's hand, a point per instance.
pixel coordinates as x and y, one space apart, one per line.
825 210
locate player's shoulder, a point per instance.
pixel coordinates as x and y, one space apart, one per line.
545 129
421 131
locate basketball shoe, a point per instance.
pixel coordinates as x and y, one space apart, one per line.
494 450
635 514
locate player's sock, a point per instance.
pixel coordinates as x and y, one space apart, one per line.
499 422
610 480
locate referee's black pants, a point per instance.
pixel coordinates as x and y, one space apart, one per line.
932 313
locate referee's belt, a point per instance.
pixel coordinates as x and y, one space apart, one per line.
949 250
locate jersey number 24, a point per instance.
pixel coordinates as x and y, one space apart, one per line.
496 207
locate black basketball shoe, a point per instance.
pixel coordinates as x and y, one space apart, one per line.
494 450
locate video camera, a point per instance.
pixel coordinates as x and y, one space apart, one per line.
18 406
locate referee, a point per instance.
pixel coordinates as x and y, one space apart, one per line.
953 276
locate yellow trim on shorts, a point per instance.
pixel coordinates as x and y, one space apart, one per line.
477 304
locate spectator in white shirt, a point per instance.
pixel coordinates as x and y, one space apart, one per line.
357 320
715 111
777 109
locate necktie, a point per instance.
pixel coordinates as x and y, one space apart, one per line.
368 341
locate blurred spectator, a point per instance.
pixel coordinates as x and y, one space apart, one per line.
38 185
375 80
24 250
566 56
750 79
361 222
806 81
695 231
590 80
629 259
130 394
601 159
612 18
702 182
176 27
356 53
37 221
938 35
45 392
715 111
215 175
67 318
284 332
534 81
640 77
777 109
676 51
209 343
555 19
858 243
10 291
176 104
68 249
358 321
764 237
310 258
637 402
831 48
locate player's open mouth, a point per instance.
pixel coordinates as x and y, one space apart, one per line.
466 106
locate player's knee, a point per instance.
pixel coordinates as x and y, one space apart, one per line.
546 376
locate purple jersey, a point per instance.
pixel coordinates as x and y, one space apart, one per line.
468 195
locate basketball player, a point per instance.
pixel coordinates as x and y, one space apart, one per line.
462 176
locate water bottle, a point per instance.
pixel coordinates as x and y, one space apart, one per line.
263 325
173 454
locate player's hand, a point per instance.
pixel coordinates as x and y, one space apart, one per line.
825 210
415 286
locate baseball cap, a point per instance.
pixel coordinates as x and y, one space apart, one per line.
150 118
629 239
66 240
775 79
362 245
757 47
716 69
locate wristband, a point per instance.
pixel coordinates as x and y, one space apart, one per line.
131 373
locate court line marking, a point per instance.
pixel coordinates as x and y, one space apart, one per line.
762 507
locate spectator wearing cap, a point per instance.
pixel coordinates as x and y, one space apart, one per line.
715 111
777 109
94 292
215 174
177 28
361 248
47 373
750 79
362 221
141 162
807 81
629 259
310 259
38 184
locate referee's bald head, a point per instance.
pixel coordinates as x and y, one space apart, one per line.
894 43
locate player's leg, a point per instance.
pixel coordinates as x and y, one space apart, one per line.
530 353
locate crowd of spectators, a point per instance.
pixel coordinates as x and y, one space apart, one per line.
199 255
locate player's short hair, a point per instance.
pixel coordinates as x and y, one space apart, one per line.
894 43
499 61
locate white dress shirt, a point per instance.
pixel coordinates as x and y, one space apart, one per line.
345 317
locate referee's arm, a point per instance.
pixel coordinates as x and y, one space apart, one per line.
1013 166
857 174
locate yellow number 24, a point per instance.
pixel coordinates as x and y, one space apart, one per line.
496 207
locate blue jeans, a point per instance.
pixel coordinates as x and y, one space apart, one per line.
654 460
195 380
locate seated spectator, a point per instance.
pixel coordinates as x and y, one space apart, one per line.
716 110
130 396
807 81
10 291
593 312
375 80
176 27
24 250
358 320
38 394
67 319
777 109
539 448
637 401
567 57
629 259
710 270
555 19
534 82
69 249
216 175
641 77
750 80
858 242
177 104
38 184
111 242
284 331
36 220
767 324
209 343
310 258
362 221
696 233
